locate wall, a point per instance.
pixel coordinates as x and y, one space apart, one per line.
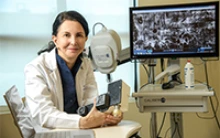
15 53
7 127
13 49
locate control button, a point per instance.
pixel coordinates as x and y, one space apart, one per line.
163 100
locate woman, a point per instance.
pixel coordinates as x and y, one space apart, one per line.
61 80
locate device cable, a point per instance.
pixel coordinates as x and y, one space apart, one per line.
98 23
215 113
217 106
151 128
148 74
215 110
162 124
146 70
167 132
178 127
174 130
212 105
211 101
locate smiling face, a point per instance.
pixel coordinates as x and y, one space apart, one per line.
70 40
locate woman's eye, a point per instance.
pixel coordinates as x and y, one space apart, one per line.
66 35
80 35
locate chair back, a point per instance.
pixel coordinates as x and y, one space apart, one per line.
19 113
13 115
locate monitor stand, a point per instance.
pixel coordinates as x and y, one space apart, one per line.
175 118
151 64
174 62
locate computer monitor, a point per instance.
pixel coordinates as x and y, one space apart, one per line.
177 30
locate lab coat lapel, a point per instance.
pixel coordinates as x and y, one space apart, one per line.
55 76
79 83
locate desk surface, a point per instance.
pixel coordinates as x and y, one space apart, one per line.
125 129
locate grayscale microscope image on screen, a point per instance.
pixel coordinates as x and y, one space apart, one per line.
180 30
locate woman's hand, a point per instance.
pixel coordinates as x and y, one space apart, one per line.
114 115
93 119
112 120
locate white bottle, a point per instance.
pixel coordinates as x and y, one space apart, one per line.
189 75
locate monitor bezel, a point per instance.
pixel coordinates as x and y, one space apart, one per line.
176 55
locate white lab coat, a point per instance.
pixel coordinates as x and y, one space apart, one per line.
44 93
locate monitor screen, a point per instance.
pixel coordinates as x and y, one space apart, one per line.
183 30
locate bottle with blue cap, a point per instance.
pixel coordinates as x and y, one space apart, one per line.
189 75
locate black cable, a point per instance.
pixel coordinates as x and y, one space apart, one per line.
162 124
215 110
146 70
144 85
217 59
151 128
167 132
208 86
215 113
174 130
178 129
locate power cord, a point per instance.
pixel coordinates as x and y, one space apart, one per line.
214 110
177 127
162 124
210 88
167 132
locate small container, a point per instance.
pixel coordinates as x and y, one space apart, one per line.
189 75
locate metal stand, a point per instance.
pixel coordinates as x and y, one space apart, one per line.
151 64
154 125
176 119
